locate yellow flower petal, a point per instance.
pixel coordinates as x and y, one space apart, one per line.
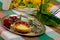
11 5
36 1
21 6
50 5
25 1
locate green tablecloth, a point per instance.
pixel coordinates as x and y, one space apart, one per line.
1 38
46 37
0 5
43 37
50 35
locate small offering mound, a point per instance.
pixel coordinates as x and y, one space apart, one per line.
22 27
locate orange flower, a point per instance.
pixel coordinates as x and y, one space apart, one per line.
11 5
37 1
25 1
21 6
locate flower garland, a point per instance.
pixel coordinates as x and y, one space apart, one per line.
25 3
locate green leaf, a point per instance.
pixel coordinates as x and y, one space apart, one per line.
45 17
51 16
45 20
30 5
47 1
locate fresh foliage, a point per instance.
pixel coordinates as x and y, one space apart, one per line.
46 17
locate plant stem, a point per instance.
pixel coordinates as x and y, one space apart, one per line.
41 6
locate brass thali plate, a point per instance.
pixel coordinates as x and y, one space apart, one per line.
37 27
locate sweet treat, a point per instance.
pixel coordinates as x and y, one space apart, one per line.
19 26
22 27
13 18
9 20
6 22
